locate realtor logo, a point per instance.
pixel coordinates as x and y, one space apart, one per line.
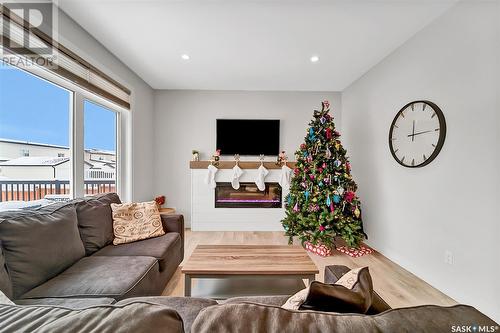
19 18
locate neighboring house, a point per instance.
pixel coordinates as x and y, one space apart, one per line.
100 169
10 149
35 161
99 155
36 168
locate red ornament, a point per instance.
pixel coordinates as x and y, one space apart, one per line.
332 207
328 133
311 176
321 228
303 146
349 196
348 166
296 171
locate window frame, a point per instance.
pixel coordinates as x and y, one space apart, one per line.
78 95
117 139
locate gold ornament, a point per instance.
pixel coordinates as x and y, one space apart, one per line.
357 212
328 153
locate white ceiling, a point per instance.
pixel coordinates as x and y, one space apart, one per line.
253 45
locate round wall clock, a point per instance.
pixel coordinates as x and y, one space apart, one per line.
417 134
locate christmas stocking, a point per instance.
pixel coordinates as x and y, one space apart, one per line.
237 172
210 177
261 175
285 176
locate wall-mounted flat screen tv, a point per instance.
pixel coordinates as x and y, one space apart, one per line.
248 136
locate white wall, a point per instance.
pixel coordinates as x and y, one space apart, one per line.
138 125
185 120
414 215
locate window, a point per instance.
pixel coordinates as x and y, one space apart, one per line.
100 148
57 140
34 127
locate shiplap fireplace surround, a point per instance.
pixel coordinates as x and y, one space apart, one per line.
204 215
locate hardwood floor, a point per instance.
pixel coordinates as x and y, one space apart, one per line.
397 286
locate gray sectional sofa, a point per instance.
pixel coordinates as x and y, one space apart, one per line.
58 266
62 254
239 314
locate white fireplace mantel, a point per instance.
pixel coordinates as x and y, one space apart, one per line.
205 217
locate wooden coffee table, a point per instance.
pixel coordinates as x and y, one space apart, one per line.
248 261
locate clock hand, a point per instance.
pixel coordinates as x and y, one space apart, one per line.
418 133
413 134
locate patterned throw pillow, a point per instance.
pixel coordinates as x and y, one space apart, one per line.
136 221
296 300
5 300
350 278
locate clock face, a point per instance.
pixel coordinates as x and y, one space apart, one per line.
417 134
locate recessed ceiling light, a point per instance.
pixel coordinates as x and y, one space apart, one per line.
314 59
185 57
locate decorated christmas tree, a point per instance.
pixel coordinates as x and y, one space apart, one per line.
322 203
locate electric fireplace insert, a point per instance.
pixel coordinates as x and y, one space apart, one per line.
247 196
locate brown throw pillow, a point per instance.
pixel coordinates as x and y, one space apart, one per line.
136 221
338 298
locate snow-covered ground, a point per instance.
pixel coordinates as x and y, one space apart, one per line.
18 204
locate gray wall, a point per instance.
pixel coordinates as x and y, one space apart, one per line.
414 215
139 127
185 120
